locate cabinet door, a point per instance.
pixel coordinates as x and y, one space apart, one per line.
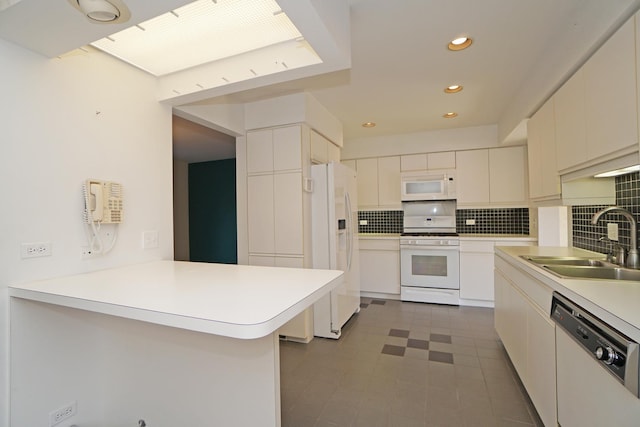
288 228
319 148
389 182
260 225
507 180
476 275
367 170
287 148
610 99
511 322
445 160
380 271
543 171
413 162
260 151
570 126
473 177
541 364
333 152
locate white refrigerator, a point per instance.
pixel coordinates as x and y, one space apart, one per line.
334 219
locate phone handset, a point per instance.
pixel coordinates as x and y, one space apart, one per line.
96 201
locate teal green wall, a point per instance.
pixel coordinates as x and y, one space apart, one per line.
212 212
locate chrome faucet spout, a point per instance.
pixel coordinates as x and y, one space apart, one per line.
633 260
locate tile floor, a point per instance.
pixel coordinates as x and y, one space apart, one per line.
404 364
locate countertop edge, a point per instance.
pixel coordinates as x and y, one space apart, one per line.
602 307
181 321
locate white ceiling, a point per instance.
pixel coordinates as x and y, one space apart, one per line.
523 50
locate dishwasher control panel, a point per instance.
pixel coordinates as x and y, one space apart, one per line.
614 351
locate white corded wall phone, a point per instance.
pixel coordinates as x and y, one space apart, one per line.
102 205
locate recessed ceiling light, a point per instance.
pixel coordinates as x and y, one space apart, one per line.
459 43
450 115
103 11
368 125
453 89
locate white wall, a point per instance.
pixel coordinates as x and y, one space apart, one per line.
422 142
62 121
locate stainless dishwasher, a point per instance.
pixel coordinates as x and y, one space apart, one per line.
597 369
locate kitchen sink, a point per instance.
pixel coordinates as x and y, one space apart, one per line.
589 262
583 272
584 268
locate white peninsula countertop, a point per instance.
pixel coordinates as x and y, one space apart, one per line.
172 343
236 301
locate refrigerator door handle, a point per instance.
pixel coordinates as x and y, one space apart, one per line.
350 233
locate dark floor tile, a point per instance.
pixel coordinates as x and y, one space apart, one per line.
399 333
439 356
441 338
393 350
421 344
364 305
378 302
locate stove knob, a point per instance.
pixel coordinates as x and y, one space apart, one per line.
607 355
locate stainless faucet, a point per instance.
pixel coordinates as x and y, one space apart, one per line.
633 261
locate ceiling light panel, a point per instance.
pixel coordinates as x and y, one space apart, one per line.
200 32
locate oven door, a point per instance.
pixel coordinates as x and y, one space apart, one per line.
430 267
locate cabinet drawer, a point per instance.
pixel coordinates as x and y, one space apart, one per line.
476 246
379 244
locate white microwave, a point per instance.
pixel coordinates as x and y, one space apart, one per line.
428 185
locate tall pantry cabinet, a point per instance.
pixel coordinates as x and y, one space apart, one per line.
279 203
278 208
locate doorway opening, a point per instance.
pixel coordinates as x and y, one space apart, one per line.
204 194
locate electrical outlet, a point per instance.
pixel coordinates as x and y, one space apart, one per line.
363 222
63 413
470 222
150 239
36 249
612 231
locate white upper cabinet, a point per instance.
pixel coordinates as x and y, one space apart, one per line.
611 114
473 177
378 182
270 150
287 149
544 181
389 182
260 151
319 148
413 162
443 160
507 180
596 113
424 162
367 173
570 126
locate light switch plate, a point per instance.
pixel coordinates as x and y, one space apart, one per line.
612 231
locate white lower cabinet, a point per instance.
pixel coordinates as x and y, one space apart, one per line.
476 269
522 320
380 267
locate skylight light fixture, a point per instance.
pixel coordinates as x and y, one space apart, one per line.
202 32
